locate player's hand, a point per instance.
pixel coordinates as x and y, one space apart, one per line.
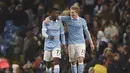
64 46
51 37
92 46
47 20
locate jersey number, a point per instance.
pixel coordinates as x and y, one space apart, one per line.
58 52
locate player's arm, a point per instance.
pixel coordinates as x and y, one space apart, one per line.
44 30
62 34
87 33
62 18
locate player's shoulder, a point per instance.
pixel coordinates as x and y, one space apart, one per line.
43 22
82 19
59 21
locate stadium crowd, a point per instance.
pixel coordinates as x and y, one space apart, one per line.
22 42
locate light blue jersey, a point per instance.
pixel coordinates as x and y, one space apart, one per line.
56 29
75 29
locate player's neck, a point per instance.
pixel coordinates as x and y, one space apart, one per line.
75 17
52 19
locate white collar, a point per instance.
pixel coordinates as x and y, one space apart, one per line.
76 18
53 21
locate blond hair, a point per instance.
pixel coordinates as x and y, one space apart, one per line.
76 4
76 8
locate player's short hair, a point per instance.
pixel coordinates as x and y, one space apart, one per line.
76 8
53 9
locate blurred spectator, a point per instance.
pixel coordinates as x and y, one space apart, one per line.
39 65
30 16
20 18
126 37
107 30
106 12
100 66
30 45
18 45
88 6
124 57
116 11
88 18
3 16
91 70
108 51
9 32
102 43
15 68
98 7
41 10
114 66
100 69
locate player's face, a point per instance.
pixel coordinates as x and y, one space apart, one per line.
55 14
73 13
